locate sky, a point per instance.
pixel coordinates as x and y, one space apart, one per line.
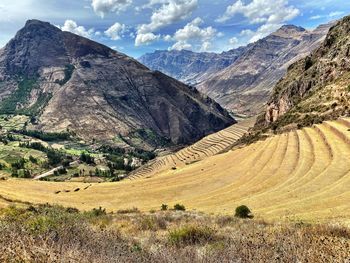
136 27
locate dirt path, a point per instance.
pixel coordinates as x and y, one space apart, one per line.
48 173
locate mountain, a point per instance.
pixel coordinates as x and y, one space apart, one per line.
70 83
245 86
315 88
241 80
187 66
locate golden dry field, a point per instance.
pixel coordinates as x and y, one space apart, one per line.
300 175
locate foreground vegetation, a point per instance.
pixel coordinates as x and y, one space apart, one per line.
56 234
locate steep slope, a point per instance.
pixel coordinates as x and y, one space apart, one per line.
300 175
245 86
71 83
208 146
187 66
316 87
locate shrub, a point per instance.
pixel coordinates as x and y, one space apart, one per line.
33 159
191 235
179 207
86 158
243 211
164 207
98 211
19 164
46 136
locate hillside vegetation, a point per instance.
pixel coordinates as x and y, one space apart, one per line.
303 174
57 234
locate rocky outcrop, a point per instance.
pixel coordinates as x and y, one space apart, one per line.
71 83
316 87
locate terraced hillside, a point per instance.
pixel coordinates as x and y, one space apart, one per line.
206 147
303 174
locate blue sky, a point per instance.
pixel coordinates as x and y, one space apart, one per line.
136 27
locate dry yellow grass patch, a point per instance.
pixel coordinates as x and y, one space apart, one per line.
302 174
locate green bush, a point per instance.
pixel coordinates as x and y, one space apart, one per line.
33 159
191 235
98 211
86 158
46 136
164 207
179 207
243 211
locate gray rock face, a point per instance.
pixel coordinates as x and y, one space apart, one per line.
187 66
97 92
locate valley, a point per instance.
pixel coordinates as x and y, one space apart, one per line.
240 156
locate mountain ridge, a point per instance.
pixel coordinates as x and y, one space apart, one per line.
245 82
72 83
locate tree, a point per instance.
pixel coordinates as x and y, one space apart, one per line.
243 211
179 207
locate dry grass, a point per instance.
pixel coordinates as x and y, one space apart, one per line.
300 175
56 234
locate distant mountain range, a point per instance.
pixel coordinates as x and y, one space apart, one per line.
242 79
69 83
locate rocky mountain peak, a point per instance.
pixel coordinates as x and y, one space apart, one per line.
289 31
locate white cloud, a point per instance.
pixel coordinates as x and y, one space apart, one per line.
206 46
337 13
115 31
180 45
264 31
270 14
167 38
168 13
233 41
103 7
316 17
72 26
192 32
145 39
330 15
261 11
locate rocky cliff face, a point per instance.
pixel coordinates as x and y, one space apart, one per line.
316 87
71 83
245 86
187 66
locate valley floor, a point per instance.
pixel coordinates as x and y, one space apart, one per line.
300 175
